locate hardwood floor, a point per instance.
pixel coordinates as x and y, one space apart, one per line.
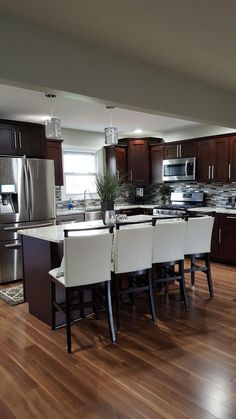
182 367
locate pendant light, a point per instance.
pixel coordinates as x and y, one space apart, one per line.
111 133
52 125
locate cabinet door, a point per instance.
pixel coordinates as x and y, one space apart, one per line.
171 151
157 157
121 160
232 159
8 140
220 159
227 238
188 149
204 161
31 141
116 159
54 152
138 161
215 239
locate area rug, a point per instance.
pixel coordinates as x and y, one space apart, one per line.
13 295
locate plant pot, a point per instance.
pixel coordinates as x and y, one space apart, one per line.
106 206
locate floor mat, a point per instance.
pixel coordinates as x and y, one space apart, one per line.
13 295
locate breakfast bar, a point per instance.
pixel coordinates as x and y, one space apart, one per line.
43 251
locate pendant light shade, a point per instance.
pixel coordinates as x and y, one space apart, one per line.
52 125
111 133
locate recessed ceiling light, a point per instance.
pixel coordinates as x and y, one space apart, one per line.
138 131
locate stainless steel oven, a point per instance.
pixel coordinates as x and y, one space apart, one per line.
179 169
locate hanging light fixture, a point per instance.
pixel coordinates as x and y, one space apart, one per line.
111 133
52 125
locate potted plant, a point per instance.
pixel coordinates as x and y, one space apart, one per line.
164 193
108 188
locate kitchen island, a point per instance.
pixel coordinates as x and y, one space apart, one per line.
42 251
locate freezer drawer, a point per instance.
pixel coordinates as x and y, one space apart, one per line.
10 261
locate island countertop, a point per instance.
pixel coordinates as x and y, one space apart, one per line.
55 233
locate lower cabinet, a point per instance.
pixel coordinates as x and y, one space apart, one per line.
227 238
223 247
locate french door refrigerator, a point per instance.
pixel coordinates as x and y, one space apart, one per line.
27 200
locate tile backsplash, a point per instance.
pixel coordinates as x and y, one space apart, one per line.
216 194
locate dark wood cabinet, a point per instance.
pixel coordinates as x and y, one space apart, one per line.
215 238
232 159
181 149
116 159
157 157
138 161
213 158
54 152
227 238
19 139
8 140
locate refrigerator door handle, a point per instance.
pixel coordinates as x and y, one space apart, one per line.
30 189
26 189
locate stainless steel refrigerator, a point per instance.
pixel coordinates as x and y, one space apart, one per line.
27 200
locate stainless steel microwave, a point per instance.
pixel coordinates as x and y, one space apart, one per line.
179 169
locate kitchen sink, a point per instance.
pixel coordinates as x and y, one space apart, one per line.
93 215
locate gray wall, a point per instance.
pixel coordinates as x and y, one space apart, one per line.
36 57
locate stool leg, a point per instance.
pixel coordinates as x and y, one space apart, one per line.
192 273
117 300
208 273
182 284
152 296
109 311
68 320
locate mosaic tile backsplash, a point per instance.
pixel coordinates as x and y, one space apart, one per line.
216 194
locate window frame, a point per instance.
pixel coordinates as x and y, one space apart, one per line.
78 196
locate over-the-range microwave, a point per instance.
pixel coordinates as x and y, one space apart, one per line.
179 169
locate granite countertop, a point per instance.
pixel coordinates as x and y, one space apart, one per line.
55 234
218 210
81 210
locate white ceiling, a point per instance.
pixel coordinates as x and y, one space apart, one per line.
32 106
193 37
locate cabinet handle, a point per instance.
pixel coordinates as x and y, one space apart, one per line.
131 175
177 150
15 143
231 217
212 171
219 235
209 172
20 142
180 150
229 170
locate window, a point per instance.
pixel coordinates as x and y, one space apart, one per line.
79 172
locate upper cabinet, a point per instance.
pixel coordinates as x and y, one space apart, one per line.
232 159
132 157
177 150
157 157
116 159
54 152
138 161
22 139
213 159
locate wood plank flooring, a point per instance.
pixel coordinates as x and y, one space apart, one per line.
184 366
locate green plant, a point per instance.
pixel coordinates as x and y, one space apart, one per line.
108 186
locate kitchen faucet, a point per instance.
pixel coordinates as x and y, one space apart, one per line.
87 191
